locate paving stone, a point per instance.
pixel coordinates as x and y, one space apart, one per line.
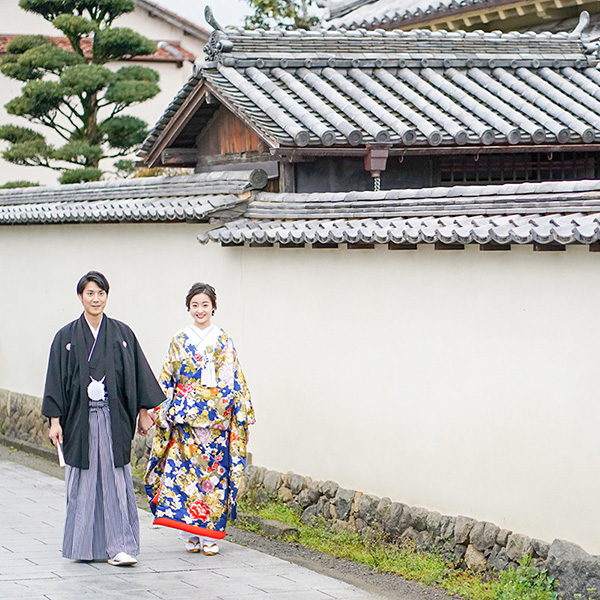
34 568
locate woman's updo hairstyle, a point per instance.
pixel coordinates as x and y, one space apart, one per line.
202 288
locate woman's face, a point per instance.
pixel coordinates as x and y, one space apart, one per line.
201 310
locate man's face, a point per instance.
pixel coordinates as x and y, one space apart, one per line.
93 299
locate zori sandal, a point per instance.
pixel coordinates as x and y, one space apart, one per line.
193 544
209 548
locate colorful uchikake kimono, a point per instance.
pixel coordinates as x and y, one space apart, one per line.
199 450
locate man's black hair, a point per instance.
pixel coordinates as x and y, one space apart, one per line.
97 278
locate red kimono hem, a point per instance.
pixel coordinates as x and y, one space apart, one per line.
211 533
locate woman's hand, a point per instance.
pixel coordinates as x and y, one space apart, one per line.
145 422
55 433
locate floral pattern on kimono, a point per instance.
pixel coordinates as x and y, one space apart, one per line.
199 449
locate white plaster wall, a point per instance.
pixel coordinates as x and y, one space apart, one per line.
149 267
461 381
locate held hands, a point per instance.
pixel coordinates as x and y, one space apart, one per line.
145 422
55 433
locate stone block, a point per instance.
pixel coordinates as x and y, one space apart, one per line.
397 520
518 546
355 501
342 527
462 529
309 515
459 552
483 535
383 508
577 571
255 476
424 541
329 488
540 548
297 484
447 525
474 559
285 494
343 503
272 482
502 537
313 492
367 508
278 530
434 523
304 500
323 507
409 534
361 525
419 518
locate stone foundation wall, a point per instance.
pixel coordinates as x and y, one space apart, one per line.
21 419
477 545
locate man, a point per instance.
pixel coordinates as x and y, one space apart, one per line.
98 384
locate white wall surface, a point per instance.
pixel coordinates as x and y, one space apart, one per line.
461 381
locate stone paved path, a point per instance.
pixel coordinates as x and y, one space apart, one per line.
31 566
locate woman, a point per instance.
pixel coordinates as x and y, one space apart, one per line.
199 449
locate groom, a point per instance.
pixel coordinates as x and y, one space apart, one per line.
98 384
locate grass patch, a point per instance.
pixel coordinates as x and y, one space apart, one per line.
428 568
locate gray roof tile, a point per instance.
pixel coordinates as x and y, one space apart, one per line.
426 88
561 212
186 197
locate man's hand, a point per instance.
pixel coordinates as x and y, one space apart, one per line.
145 422
55 433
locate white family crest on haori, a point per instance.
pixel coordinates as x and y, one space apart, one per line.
95 389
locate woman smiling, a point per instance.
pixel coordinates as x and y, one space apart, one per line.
199 449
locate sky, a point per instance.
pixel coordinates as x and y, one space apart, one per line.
227 12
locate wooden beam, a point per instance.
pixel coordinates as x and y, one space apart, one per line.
287 181
205 163
323 245
300 154
176 124
551 247
495 247
444 246
181 157
394 246
361 246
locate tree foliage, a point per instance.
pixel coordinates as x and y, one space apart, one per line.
73 92
287 14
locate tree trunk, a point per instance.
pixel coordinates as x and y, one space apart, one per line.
91 131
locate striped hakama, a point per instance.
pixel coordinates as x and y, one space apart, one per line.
103 492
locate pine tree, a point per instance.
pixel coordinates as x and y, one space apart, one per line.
287 14
72 91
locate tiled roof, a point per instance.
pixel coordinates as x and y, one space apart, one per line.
422 88
182 198
393 14
162 54
398 13
544 213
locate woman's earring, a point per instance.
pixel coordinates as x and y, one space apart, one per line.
213 312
